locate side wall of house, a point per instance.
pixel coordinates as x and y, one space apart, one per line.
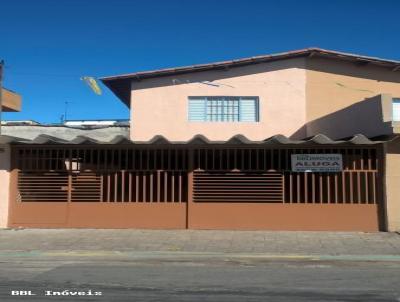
344 99
4 184
392 179
160 106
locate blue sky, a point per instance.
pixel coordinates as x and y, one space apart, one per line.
48 45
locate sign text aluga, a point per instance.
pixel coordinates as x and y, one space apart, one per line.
317 162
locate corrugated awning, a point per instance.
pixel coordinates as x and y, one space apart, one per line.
319 139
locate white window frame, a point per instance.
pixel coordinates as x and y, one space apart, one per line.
221 103
396 112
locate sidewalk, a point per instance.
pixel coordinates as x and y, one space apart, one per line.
191 241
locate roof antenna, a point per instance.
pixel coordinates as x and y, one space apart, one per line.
64 117
66 110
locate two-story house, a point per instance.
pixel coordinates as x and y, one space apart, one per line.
302 140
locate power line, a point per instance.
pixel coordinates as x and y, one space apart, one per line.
43 74
12 73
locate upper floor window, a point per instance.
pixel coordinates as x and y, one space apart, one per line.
396 110
223 109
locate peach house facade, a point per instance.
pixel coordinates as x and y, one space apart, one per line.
298 98
279 86
219 146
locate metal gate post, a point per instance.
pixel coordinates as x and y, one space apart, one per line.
190 184
381 185
13 186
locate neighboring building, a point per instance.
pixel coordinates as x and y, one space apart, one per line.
11 101
63 133
302 140
95 123
21 122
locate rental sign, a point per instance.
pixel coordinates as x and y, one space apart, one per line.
317 162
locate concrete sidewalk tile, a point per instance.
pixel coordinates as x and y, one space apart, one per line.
329 243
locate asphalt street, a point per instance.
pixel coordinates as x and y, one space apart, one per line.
175 277
193 265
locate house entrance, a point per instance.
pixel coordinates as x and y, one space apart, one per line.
200 187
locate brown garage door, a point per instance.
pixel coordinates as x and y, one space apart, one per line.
255 189
200 188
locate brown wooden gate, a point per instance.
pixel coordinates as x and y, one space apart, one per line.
96 187
200 187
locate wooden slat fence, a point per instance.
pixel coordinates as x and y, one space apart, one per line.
237 187
46 187
343 187
119 186
144 186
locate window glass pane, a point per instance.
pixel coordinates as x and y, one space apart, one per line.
396 110
248 110
197 110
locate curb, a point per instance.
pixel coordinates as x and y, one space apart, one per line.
134 255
